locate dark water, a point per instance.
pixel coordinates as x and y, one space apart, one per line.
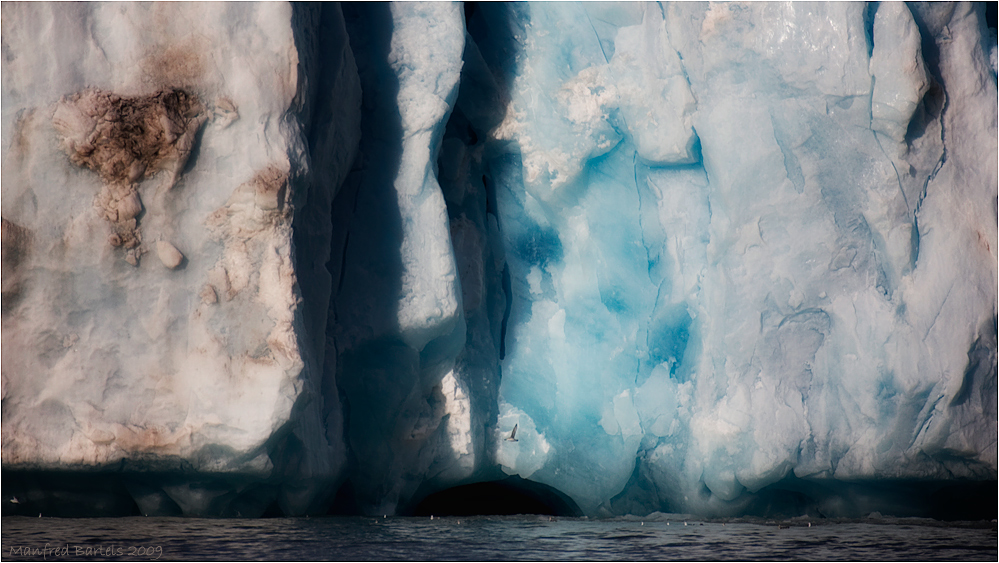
483 538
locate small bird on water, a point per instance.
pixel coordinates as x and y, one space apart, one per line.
513 434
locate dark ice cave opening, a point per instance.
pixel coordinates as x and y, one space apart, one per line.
509 496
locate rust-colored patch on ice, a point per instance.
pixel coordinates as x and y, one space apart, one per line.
984 242
253 207
133 438
177 63
20 145
124 140
16 241
254 227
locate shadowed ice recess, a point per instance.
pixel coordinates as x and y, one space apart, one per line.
572 258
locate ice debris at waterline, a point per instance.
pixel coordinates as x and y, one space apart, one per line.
715 259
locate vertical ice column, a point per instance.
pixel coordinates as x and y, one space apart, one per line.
776 87
328 107
900 77
397 307
824 355
951 293
596 95
197 372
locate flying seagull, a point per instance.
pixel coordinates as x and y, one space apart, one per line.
513 434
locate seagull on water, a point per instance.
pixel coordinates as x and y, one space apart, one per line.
513 434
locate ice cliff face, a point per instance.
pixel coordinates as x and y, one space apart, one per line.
158 192
783 305
707 258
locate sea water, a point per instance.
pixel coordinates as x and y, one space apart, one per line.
483 538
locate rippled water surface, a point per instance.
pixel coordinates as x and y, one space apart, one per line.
491 538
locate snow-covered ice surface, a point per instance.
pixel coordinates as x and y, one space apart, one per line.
708 258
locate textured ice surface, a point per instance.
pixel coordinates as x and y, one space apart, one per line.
138 136
707 258
802 300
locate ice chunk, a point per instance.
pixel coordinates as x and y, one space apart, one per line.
168 254
646 67
529 452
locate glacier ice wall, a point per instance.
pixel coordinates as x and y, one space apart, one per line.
165 236
802 300
711 258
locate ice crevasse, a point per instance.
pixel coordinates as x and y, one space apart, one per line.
716 259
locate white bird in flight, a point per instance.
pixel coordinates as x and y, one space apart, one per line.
513 434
